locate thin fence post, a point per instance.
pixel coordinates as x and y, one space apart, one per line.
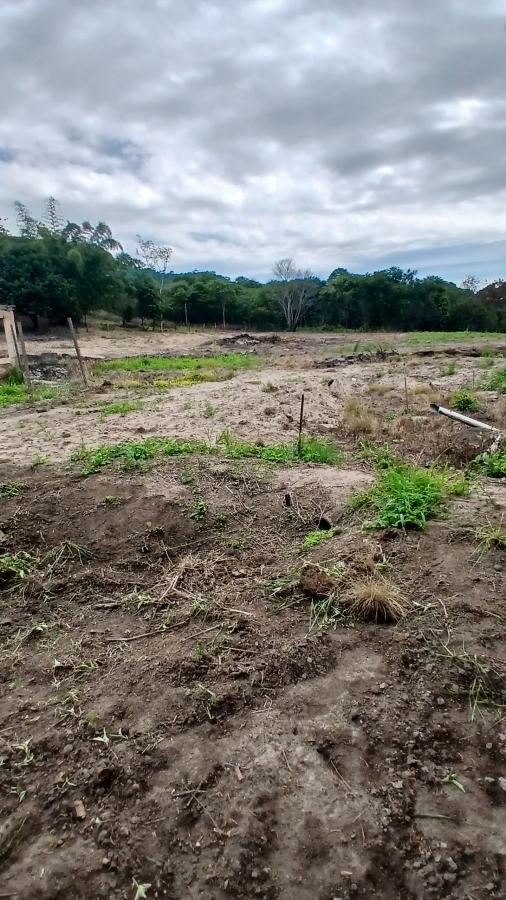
24 358
406 393
78 352
301 423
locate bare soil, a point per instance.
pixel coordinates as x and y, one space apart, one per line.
172 726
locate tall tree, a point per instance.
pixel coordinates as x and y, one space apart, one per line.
53 218
28 226
156 257
294 291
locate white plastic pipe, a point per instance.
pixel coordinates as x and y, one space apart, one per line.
474 423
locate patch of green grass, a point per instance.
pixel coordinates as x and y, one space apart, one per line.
161 363
110 500
465 401
435 337
209 409
11 488
120 408
488 358
448 369
490 536
131 454
406 496
497 382
381 456
12 393
315 538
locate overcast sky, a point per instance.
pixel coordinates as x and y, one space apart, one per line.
357 133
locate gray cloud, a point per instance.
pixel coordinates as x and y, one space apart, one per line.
338 132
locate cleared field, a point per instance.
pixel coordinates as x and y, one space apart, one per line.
239 665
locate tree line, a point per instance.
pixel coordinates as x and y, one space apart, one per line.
54 268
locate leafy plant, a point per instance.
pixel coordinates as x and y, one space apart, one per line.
200 510
451 778
39 460
493 463
315 538
465 401
449 368
19 564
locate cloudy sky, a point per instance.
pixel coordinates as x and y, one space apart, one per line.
352 133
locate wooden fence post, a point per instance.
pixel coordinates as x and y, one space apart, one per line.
78 352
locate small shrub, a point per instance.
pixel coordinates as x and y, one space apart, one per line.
491 536
493 464
465 401
449 369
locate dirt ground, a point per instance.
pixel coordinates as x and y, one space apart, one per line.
173 721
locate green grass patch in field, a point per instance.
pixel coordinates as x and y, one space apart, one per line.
497 382
120 408
436 337
11 488
406 496
163 363
131 454
12 393
465 401
448 369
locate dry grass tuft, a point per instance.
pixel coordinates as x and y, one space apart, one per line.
376 598
380 389
359 419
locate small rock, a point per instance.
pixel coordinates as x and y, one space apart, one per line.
383 685
79 809
67 749
452 865
502 783
489 746
440 701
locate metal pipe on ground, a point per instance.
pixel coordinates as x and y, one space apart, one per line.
466 420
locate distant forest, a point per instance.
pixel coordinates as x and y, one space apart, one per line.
54 268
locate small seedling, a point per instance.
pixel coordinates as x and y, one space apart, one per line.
17 565
24 747
220 520
200 650
39 460
141 889
110 500
451 778
186 476
268 387
209 410
19 792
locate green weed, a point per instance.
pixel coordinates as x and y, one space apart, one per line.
110 500
493 464
16 565
120 408
465 401
449 369
200 510
11 488
407 496
209 410
315 538
490 536
39 460
13 391
497 382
